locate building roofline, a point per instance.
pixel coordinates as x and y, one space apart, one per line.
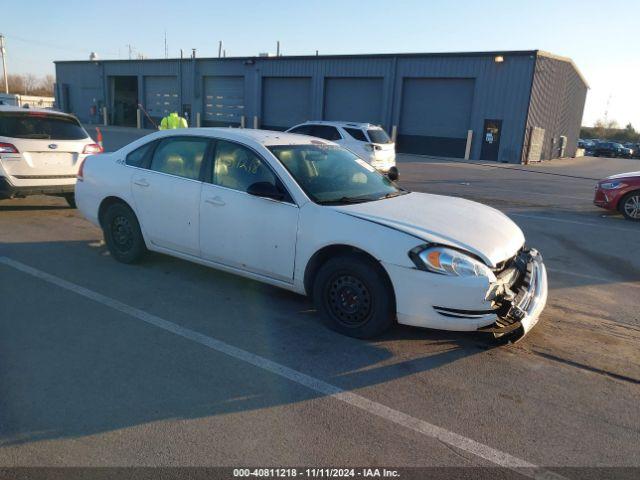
310 57
560 58
541 53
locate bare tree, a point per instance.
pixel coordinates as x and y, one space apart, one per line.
30 83
16 83
47 85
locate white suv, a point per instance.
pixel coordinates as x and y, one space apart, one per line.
369 142
40 152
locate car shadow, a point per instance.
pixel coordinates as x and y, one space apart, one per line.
72 367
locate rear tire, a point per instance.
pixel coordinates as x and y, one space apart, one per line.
354 296
71 200
630 206
122 234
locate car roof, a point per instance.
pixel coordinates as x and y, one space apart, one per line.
342 124
248 136
13 108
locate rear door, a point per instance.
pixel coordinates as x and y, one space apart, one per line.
49 145
166 191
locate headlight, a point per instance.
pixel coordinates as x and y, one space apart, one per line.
447 261
612 185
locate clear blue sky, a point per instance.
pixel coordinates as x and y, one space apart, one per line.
602 37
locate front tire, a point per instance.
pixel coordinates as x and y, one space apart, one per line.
630 206
354 296
122 234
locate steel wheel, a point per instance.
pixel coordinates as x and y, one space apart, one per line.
349 300
122 233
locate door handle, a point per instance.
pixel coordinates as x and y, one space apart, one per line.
141 183
216 201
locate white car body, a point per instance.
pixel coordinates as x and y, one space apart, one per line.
30 166
277 242
381 156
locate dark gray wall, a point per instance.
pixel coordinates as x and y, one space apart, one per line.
353 99
285 101
370 87
557 103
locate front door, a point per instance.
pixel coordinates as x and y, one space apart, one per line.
167 194
491 140
240 230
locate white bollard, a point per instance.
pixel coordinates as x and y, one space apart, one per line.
241 121
104 116
467 150
255 122
138 118
198 124
394 133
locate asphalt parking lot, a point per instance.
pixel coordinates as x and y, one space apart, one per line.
170 363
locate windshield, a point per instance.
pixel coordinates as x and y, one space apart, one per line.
378 135
330 174
41 125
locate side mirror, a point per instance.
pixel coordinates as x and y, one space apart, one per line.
265 190
393 174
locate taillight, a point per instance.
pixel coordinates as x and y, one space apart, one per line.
92 149
8 148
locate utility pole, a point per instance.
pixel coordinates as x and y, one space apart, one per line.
166 49
278 48
4 65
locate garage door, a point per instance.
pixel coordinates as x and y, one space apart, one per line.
223 101
161 95
435 116
285 102
353 99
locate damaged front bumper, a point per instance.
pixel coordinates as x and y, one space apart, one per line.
520 304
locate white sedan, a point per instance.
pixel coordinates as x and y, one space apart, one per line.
308 215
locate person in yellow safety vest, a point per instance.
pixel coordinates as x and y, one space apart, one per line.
172 121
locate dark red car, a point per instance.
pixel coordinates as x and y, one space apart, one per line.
621 193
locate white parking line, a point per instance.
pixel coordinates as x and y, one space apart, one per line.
452 439
573 222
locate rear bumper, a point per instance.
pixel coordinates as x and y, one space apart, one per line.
8 190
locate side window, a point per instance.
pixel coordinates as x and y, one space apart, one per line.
302 130
357 134
180 156
136 157
237 167
327 132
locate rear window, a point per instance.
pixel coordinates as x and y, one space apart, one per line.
357 134
378 136
37 125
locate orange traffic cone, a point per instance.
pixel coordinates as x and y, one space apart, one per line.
99 138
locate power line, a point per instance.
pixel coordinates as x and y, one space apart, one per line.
51 45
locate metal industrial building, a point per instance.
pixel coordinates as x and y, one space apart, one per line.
514 107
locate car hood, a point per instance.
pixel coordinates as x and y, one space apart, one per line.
463 224
633 175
